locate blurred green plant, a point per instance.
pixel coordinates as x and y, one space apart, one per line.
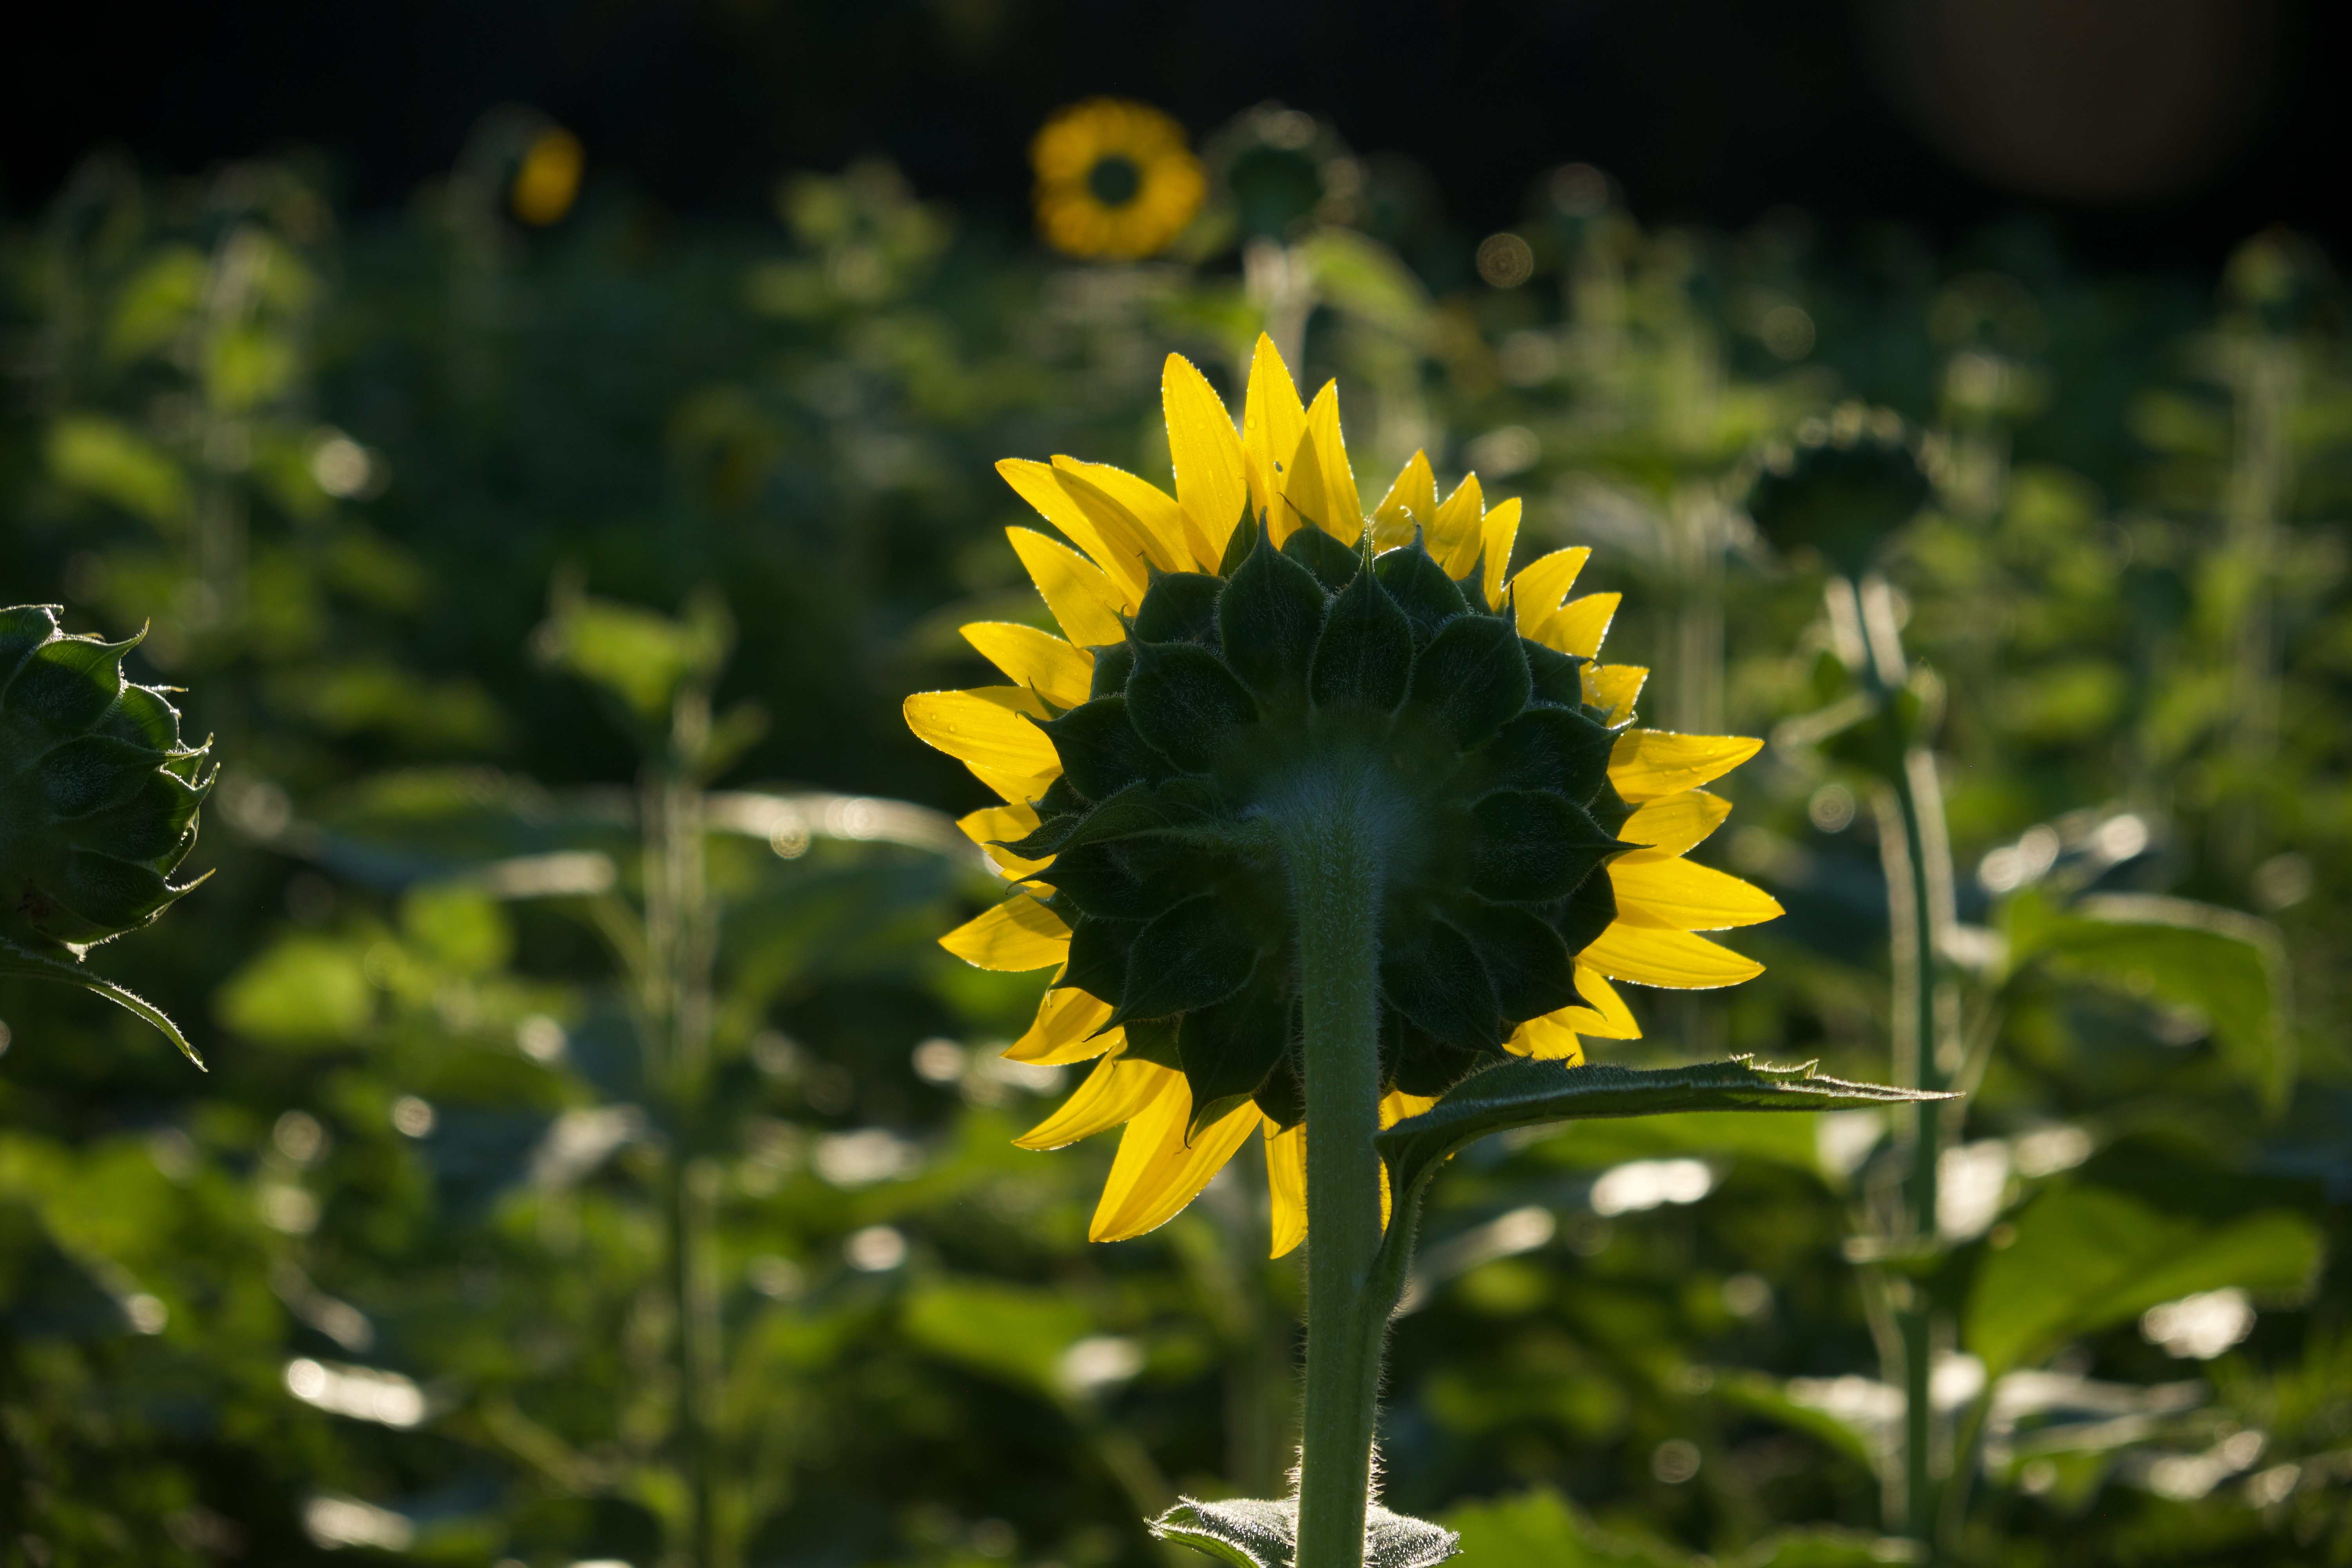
413 1185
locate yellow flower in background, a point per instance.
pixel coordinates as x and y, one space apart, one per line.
1076 722
548 181
1114 180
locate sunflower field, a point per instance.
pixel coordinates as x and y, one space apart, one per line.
595 1157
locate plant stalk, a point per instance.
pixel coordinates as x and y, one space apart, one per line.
1915 850
1335 865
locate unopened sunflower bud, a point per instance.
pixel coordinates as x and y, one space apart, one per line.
97 799
1842 491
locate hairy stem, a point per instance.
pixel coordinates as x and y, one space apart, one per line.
1334 856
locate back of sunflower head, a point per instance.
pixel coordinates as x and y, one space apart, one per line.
98 793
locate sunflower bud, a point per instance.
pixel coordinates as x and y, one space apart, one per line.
1842 491
97 793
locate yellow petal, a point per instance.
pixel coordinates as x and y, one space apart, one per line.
1114 1092
1150 512
1008 824
1548 1040
1121 560
1411 503
1650 764
1064 1031
1041 661
1273 419
1155 1173
1453 538
1207 452
1499 530
1691 897
1671 827
1285 1183
1018 934
1539 587
1015 788
989 727
1320 484
1395 1106
1578 628
1673 959
1608 1018
1124 534
1085 602
1612 687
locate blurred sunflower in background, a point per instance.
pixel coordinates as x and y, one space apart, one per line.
1121 756
547 181
1116 180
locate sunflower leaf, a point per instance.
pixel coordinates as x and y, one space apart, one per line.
1263 1532
1522 1092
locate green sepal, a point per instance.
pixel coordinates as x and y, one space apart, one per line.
1364 658
15 960
1472 677
1269 618
1558 678
1154 1040
1097 962
1137 810
1283 1095
1113 663
1533 846
1179 607
1101 753
1183 700
1134 879
70 682
1435 978
1518 1092
1585 913
1230 1049
1239 543
1428 597
1333 564
1263 1532
1194 955
1552 748
1530 965
90 772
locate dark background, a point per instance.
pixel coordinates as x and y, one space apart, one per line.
2143 131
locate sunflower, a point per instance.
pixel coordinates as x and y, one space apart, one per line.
1211 641
1114 180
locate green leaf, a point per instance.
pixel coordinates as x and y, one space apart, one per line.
305 991
1533 846
1261 1532
15 960
2086 1257
1541 1529
1522 1092
2228 965
1010 1332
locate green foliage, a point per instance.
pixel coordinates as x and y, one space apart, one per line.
336 462
2084 1259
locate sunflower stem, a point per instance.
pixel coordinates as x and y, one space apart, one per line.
1335 861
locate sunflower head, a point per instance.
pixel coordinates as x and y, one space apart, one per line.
1114 180
97 795
1235 656
1848 485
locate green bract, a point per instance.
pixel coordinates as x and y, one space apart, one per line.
98 800
1240 701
